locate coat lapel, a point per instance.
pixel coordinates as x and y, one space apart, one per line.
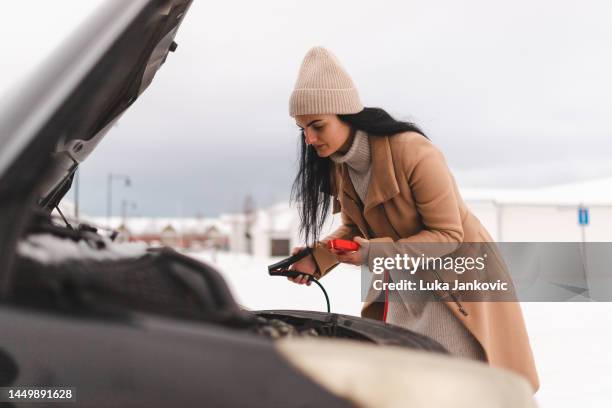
383 183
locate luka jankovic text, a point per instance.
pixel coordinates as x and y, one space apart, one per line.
405 284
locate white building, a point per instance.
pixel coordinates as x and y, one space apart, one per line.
275 230
548 214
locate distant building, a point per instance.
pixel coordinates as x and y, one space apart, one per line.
187 233
545 214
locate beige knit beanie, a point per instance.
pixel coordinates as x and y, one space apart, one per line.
323 86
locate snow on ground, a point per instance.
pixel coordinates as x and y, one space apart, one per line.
571 341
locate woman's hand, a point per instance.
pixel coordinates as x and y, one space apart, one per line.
308 266
305 265
353 257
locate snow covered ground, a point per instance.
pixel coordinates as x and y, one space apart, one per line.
571 341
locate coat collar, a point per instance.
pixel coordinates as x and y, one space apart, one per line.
383 183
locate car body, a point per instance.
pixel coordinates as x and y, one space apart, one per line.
129 326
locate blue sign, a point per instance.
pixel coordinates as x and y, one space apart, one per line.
583 216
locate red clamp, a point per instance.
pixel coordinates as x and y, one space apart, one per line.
342 245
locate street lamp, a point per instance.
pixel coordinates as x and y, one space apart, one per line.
109 193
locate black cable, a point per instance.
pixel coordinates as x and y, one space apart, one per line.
324 292
281 269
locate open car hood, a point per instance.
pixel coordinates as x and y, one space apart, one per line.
61 114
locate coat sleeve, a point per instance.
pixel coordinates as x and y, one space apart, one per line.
325 259
433 190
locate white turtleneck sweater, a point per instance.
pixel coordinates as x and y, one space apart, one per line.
358 161
426 315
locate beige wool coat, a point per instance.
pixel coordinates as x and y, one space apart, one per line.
413 197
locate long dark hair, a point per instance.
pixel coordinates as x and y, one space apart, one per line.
312 186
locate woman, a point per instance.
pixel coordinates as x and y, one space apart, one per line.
391 185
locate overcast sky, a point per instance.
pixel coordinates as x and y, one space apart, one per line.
516 94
